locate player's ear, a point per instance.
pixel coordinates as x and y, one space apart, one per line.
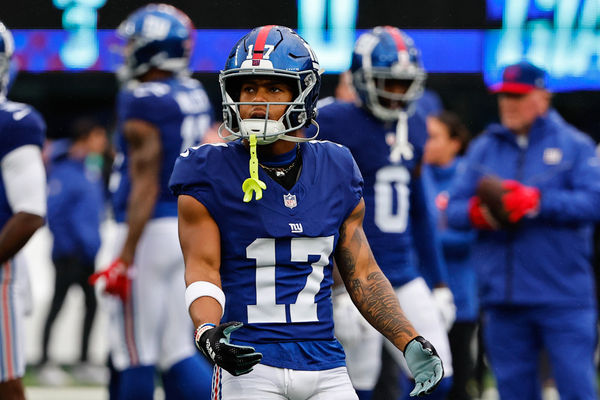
543 98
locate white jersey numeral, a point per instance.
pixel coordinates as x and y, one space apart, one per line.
388 180
266 52
266 309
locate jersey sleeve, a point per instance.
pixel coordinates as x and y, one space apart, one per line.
24 128
25 180
192 175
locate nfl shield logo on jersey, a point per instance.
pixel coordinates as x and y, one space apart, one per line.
289 200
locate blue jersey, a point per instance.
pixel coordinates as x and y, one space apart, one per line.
276 253
390 193
181 111
20 125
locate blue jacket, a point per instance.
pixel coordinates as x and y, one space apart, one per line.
544 260
75 204
457 244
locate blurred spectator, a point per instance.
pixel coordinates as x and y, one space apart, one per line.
75 204
534 213
447 142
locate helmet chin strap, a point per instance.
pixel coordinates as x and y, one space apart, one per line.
401 149
261 127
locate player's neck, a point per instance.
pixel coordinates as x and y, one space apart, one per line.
275 149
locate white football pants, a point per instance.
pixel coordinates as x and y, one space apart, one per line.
153 327
270 383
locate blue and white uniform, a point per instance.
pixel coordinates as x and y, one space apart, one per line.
397 222
153 327
280 248
22 189
181 110
151 330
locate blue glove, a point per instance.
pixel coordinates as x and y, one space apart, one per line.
424 364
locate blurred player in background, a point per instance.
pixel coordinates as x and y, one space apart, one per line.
386 137
22 211
534 212
161 112
447 142
263 265
75 210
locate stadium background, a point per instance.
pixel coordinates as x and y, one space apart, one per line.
458 40
464 43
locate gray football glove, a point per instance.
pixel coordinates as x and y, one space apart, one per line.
424 364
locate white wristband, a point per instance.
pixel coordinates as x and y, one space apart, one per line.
201 289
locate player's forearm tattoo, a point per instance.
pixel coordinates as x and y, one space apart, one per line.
372 294
377 301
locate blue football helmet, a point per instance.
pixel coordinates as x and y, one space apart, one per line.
385 52
7 49
158 36
275 52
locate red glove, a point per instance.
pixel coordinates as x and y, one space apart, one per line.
116 278
480 216
520 200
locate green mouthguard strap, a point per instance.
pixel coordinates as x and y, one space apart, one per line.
253 184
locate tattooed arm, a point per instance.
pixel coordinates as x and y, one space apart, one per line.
375 299
369 288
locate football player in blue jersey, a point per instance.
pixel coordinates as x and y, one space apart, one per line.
259 250
386 134
22 212
161 111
